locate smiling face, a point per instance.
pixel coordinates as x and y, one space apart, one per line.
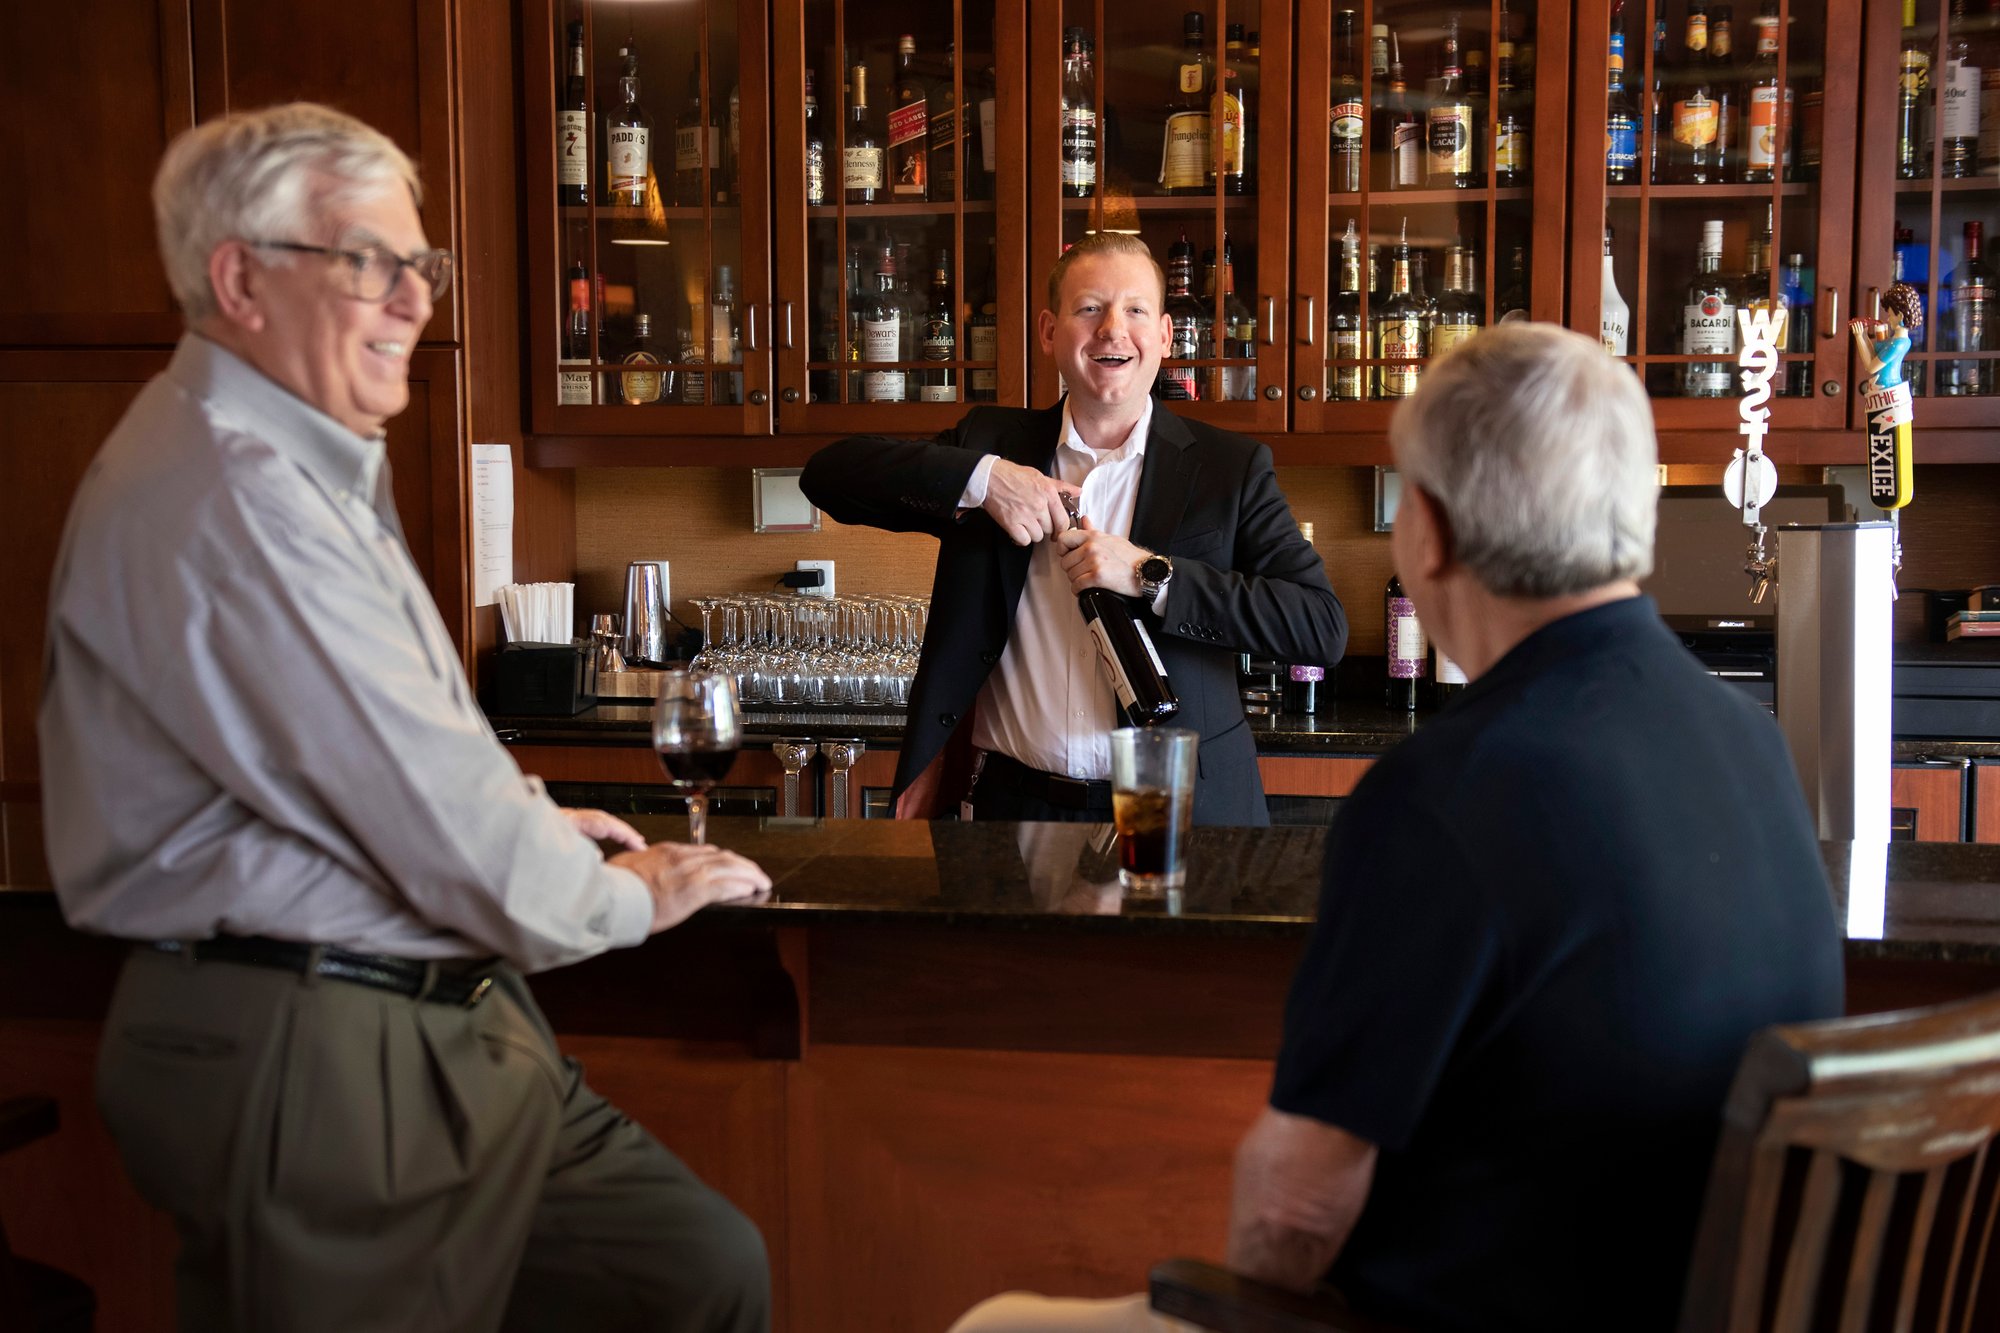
347 357
1111 329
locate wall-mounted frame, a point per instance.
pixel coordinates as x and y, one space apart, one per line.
777 504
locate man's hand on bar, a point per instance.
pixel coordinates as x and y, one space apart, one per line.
1027 504
686 877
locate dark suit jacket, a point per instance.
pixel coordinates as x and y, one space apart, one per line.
1244 580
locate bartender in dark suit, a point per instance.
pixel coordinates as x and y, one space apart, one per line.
1010 710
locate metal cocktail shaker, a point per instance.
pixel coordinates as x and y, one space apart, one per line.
645 614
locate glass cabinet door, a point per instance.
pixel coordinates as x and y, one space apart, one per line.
898 211
1932 113
651 292
1174 125
1431 177
1718 160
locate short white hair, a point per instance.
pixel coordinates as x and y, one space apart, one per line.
262 176
1539 448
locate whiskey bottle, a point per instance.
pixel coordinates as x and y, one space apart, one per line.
639 385
1348 121
1408 658
694 146
1691 145
1708 321
1402 134
1190 338
573 129
1767 107
1460 313
628 134
693 382
861 170
947 131
982 339
1399 328
724 337
858 302
1972 314
1452 131
1621 130
1913 87
909 129
1345 333
1958 100
1513 119
1079 117
1756 292
1511 305
574 383
1614 317
1185 164
1722 85
1230 114
815 150
937 340
882 335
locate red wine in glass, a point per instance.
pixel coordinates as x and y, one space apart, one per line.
697 729
700 769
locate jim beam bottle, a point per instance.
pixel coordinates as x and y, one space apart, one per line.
1399 328
573 129
861 157
1185 163
1708 321
909 129
1348 120
628 135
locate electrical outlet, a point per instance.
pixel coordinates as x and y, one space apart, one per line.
825 589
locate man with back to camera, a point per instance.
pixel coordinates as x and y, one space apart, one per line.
1009 700
1549 919
262 764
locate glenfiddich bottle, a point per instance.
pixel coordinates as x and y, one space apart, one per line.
1138 676
937 339
861 157
909 129
628 137
1399 328
1408 659
573 129
1185 163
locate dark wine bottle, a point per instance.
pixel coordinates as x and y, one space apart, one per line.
1138 676
1447 677
1407 664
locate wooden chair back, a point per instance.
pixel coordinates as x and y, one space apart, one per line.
1856 1183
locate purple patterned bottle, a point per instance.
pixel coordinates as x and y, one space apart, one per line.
1409 659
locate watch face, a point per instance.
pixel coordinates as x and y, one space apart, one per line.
1155 569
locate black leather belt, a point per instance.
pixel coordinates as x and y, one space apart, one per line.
1069 793
464 985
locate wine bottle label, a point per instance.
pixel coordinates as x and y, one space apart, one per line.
1621 144
1235 143
1709 328
572 148
1697 32
1451 140
1079 145
625 159
1121 684
1191 78
1510 149
1406 155
1449 672
690 141
1401 338
1407 646
861 169
1915 74
815 175
1146 642
640 387
1444 337
1695 121
1348 124
1615 61
907 123
1764 148
1184 151
883 386
943 127
938 393
938 342
983 344
1960 98
881 340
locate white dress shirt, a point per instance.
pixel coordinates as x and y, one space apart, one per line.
1047 702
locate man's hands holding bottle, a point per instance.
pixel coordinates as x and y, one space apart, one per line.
1094 558
1025 502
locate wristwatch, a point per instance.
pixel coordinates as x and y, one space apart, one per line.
1154 572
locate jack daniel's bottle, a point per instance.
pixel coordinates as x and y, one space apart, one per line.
1138 677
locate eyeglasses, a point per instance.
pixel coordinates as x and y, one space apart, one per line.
371 272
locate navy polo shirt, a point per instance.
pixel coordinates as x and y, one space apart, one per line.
1550 920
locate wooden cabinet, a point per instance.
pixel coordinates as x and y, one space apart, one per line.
1927 800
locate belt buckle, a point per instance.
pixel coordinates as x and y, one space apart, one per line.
479 992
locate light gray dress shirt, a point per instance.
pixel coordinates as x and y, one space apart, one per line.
253 721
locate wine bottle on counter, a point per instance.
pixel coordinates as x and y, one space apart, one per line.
1407 656
1301 682
1447 677
1138 677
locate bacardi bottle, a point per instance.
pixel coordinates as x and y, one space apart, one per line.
1708 321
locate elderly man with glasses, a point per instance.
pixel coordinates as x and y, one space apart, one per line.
262 765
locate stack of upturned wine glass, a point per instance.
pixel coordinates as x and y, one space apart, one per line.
844 652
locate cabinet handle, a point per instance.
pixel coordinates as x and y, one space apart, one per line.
1312 324
786 345
1270 321
750 326
1832 329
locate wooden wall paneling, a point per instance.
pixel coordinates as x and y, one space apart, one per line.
1986 801
1309 775
1936 794
55 409
924 1181
387 62
877 768
67 1199
90 94
427 465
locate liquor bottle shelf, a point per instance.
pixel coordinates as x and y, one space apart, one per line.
1400 198
1162 203
627 213
902 210
1790 189
1949 185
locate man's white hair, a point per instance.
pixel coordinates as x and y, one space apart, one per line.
1539 447
263 176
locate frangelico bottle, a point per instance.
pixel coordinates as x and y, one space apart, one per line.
1138 677
1186 164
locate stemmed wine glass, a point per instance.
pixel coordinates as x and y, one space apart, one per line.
697 729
